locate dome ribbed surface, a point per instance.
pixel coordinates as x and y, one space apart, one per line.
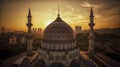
58 32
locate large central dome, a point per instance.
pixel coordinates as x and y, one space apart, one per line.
58 32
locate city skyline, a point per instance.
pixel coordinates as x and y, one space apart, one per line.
74 12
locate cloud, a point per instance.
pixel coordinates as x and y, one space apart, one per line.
88 5
85 5
72 11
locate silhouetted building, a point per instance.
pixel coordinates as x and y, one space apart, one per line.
37 32
3 29
23 40
78 29
4 37
12 40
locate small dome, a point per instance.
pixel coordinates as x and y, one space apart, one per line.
58 32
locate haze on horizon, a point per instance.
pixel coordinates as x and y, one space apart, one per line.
13 13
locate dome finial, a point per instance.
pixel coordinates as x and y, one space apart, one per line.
58 8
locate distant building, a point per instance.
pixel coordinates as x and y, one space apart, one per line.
23 40
78 29
37 32
12 40
16 37
3 29
34 30
4 37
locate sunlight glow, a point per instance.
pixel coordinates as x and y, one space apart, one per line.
43 12
48 22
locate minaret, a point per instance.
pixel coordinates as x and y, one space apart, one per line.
29 35
91 34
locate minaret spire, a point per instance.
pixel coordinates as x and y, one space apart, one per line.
29 13
91 12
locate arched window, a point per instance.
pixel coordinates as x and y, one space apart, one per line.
63 57
51 57
70 56
41 63
57 57
75 63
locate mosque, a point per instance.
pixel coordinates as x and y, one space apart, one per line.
58 47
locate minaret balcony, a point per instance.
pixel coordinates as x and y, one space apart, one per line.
91 24
29 24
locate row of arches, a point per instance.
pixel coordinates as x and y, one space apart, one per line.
59 57
58 46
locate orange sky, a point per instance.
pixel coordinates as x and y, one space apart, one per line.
13 13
